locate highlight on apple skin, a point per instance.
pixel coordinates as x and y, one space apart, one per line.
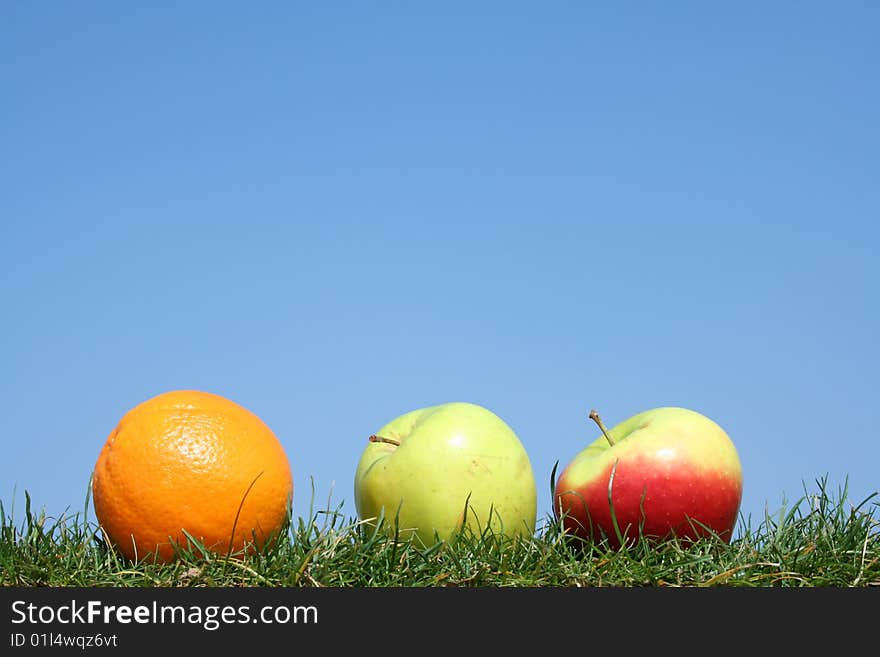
665 472
418 474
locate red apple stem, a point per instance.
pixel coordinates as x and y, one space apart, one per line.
381 439
594 416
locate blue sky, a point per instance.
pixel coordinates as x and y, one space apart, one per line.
336 214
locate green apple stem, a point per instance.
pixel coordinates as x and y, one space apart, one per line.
381 439
594 416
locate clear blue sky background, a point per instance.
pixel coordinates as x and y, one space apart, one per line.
336 213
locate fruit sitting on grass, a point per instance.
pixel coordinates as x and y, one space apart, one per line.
190 462
664 472
432 471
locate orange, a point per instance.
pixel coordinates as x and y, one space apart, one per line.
193 461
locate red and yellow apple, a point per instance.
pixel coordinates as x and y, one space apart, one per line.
665 472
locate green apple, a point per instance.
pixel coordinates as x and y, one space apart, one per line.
434 470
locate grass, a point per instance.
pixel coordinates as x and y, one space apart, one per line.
821 540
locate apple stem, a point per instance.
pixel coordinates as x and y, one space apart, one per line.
381 439
594 416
